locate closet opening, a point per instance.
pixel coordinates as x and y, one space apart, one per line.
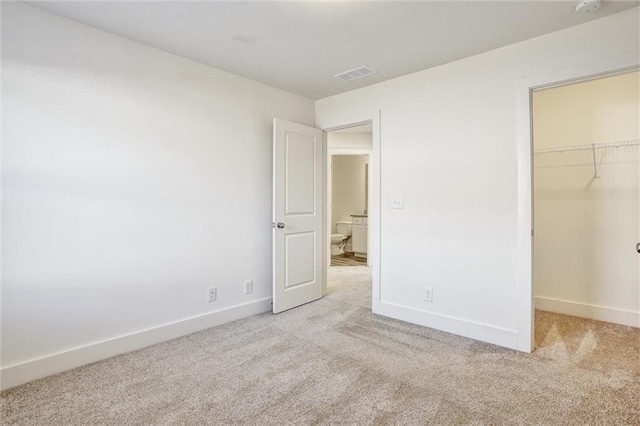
586 209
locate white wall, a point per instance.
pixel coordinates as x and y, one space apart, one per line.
349 140
133 180
348 187
448 145
585 261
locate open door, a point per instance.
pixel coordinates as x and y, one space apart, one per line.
297 214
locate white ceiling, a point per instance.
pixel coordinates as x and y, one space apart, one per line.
299 46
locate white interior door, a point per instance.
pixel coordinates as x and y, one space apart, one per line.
297 214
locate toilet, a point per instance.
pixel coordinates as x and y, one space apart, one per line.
339 239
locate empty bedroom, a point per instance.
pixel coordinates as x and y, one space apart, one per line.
371 213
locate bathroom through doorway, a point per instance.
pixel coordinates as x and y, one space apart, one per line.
349 152
348 181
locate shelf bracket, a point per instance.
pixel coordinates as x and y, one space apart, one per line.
595 165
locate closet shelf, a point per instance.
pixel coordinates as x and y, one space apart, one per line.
589 146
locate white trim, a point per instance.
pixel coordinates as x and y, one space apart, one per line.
524 87
375 207
584 310
351 124
17 374
326 225
458 326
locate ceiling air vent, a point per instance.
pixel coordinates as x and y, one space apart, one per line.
355 73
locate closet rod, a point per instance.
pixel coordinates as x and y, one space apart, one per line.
589 146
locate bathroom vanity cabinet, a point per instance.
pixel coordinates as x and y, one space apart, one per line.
359 235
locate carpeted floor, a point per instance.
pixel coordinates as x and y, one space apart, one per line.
334 362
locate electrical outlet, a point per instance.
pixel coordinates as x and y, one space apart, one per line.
212 295
248 287
428 294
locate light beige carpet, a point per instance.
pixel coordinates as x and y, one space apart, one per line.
334 362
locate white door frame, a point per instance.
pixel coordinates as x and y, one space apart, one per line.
524 122
374 207
331 152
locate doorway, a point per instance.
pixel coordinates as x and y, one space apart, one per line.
525 132
349 181
301 220
586 179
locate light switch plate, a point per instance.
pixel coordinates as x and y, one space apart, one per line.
428 294
397 202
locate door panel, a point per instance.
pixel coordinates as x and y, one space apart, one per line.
300 259
299 179
297 215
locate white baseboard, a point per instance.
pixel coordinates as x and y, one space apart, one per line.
594 312
17 374
461 327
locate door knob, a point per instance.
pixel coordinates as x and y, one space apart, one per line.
281 226
638 247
